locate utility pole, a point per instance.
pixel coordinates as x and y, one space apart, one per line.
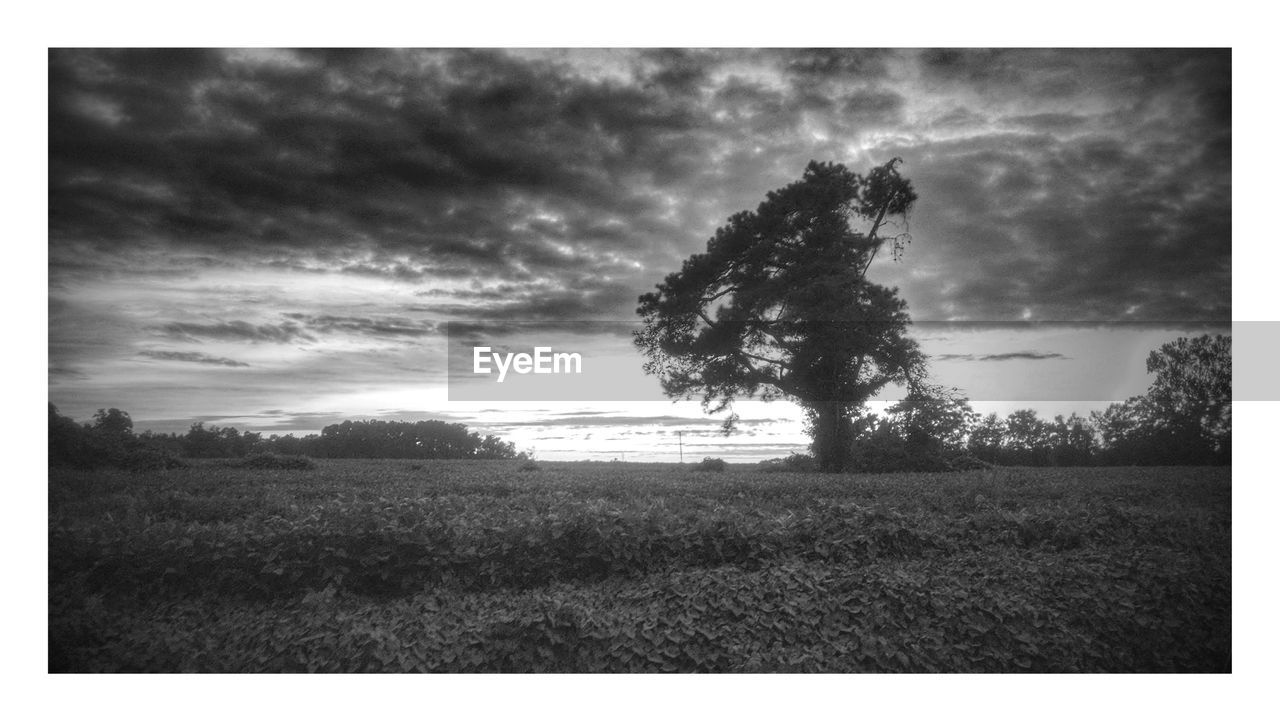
680 436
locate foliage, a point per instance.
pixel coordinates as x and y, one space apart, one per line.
1072 441
70 444
113 424
1193 382
107 443
1027 439
794 463
926 431
400 439
986 438
779 305
1185 416
710 464
932 419
215 442
110 441
477 567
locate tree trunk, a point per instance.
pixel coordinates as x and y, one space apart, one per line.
832 436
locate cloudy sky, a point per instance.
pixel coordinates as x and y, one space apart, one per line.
274 239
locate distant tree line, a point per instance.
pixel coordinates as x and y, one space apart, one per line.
109 440
1183 419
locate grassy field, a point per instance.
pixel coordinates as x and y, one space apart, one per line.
483 566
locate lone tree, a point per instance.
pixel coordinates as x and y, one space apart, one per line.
780 306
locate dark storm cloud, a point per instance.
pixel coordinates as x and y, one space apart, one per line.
1040 74
973 66
877 107
237 330
1017 355
65 371
808 66
391 327
579 298
958 118
427 161
1123 215
190 357
680 70
1061 184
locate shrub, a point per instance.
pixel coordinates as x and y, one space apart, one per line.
710 464
109 444
965 461
794 463
530 465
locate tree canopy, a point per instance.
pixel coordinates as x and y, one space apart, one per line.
1185 416
779 305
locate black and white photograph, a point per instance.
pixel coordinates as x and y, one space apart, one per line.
640 360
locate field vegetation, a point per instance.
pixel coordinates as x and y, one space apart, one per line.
504 566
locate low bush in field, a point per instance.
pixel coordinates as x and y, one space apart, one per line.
965 461
710 464
371 566
794 463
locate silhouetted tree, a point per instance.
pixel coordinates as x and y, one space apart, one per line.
201 442
779 305
933 420
1027 439
1072 441
925 431
1185 416
400 439
986 440
112 424
1127 433
108 441
1191 395
70 444
169 443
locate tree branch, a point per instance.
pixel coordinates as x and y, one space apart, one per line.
875 228
774 361
710 322
721 294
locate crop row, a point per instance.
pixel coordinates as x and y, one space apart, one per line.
399 547
481 567
957 614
